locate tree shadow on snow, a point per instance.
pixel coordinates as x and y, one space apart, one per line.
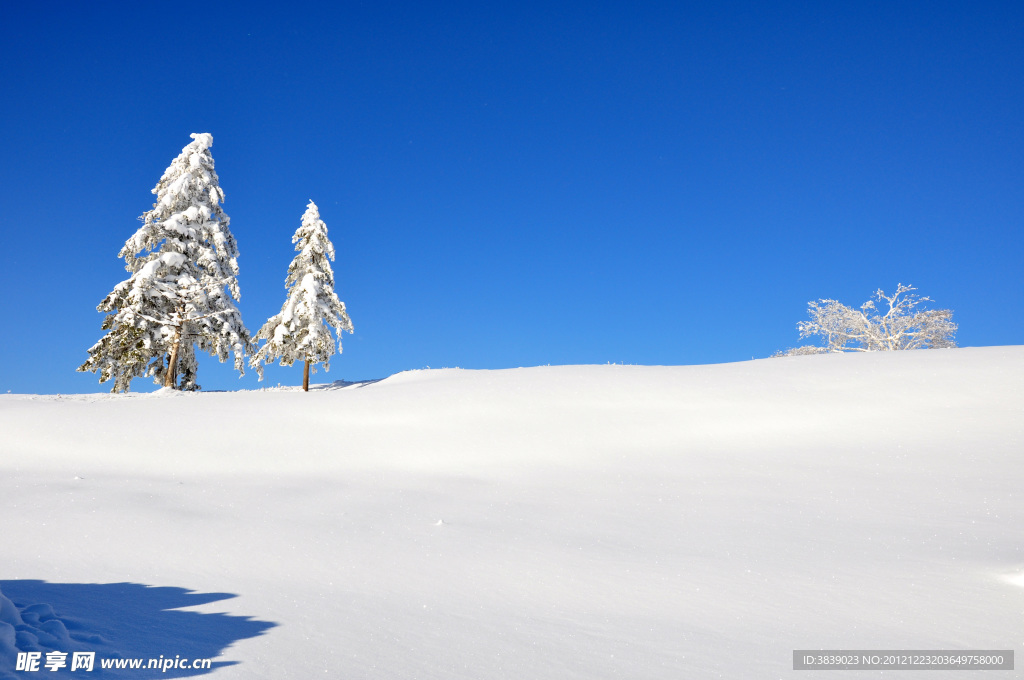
342 384
116 621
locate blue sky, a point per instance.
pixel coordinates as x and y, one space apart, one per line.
519 184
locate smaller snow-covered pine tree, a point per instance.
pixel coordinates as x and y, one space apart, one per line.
183 286
301 331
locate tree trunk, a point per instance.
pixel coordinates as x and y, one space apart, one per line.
172 366
305 377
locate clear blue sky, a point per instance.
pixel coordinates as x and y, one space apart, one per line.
513 184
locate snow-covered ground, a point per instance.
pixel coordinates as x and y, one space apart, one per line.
552 522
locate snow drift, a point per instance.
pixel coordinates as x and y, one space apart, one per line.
550 522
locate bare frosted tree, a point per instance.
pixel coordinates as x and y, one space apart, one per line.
894 323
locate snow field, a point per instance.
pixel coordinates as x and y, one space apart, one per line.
596 521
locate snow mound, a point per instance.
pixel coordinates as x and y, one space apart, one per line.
33 628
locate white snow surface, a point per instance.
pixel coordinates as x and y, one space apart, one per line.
551 522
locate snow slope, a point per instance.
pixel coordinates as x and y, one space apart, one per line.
552 522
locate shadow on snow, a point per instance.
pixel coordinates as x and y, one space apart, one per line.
116 621
342 384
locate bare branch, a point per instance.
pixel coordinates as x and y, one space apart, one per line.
901 327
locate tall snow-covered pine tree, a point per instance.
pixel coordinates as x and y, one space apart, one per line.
301 331
183 286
